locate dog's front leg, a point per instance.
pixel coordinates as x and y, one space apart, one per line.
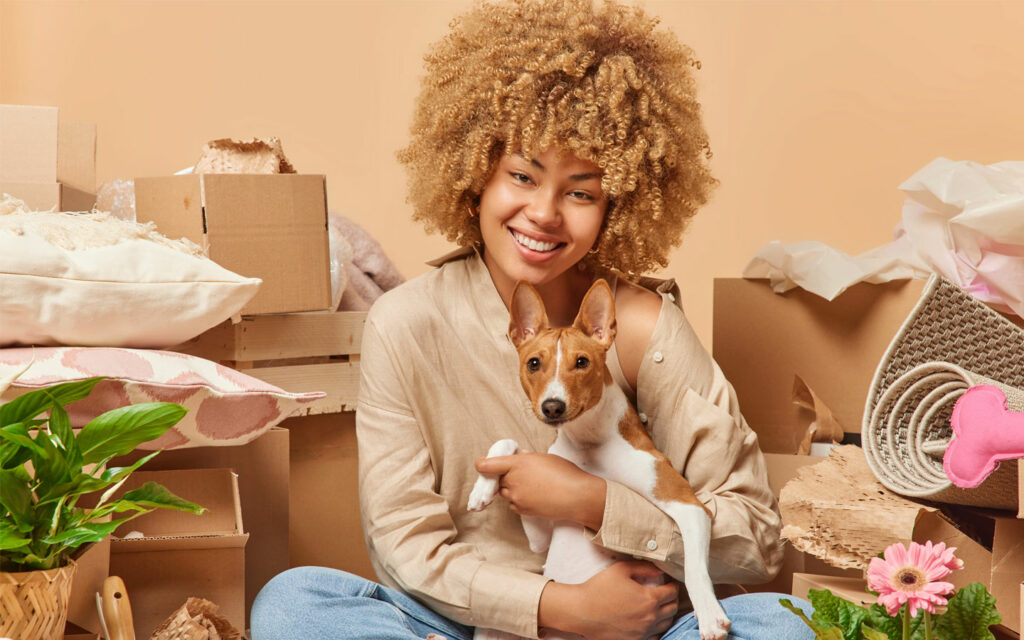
486 486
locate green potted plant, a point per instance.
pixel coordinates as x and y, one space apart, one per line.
58 495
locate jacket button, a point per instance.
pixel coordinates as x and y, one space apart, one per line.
657 357
652 545
643 417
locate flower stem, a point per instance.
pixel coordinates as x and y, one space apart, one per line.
906 622
927 626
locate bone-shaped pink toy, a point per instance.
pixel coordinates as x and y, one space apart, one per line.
985 432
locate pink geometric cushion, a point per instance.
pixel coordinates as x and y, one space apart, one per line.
225 407
985 432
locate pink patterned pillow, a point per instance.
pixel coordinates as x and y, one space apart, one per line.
226 407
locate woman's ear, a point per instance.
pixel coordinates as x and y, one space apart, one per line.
596 317
528 316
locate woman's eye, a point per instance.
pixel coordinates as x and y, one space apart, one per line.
533 364
581 195
520 177
582 362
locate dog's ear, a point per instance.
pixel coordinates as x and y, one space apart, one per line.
596 317
528 317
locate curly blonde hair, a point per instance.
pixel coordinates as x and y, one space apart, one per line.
599 81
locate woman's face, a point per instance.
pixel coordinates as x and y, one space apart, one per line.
540 216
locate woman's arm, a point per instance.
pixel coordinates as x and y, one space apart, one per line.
409 530
694 418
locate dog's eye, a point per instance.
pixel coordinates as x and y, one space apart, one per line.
582 362
533 364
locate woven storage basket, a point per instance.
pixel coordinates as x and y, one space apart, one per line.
34 604
948 343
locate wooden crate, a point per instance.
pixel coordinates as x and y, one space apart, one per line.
297 352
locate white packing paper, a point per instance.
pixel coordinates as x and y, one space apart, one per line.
963 220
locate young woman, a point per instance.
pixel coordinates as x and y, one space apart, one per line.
555 142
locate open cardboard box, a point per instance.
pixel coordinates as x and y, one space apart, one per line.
263 480
272 227
45 161
182 555
762 339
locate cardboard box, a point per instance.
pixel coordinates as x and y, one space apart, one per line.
763 339
28 143
93 568
182 555
263 469
324 454
272 227
853 590
48 163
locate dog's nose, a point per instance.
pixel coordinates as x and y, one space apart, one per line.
553 408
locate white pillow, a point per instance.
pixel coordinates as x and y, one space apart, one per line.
92 279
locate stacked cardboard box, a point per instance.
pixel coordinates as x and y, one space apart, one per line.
763 339
45 161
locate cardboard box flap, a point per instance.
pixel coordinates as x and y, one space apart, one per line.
28 144
76 155
185 219
215 489
174 543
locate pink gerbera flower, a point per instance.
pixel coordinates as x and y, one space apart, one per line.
913 576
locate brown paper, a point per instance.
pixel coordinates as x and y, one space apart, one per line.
197 619
823 427
837 511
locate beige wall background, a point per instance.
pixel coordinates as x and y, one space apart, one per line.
817 111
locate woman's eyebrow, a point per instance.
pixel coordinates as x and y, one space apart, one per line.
575 176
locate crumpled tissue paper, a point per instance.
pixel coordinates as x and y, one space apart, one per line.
962 220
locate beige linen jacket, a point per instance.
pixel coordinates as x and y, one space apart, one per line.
440 384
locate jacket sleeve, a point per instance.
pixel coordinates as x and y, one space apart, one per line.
693 415
408 527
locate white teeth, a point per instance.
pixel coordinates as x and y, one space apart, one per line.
533 244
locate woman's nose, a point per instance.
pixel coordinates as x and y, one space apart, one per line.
543 210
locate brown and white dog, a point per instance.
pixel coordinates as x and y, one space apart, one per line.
564 374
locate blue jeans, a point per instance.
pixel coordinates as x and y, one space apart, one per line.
316 603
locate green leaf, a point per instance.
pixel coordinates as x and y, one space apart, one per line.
11 537
119 431
154 495
830 609
51 467
88 532
16 497
879 620
31 404
822 631
85 483
17 434
60 426
871 634
971 611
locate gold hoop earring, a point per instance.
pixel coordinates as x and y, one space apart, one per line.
472 212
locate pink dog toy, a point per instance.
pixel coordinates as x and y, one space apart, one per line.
985 431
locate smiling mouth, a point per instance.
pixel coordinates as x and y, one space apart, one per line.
535 245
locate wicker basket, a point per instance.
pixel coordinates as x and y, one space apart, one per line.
34 604
948 343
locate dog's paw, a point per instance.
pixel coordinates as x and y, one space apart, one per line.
483 493
714 625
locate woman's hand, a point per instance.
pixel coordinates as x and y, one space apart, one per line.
612 605
548 486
